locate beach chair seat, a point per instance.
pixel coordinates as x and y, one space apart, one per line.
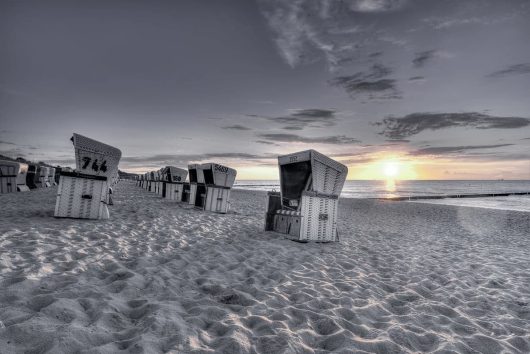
84 193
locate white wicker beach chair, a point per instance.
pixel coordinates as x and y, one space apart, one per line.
84 193
9 171
218 180
173 179
43 177
306 207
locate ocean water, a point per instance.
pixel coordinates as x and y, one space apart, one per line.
384 189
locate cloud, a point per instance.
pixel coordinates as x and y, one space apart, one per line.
371 84
444 150
376 5
293 138
417 79
422 57
307 31
415 123
516 69
236 127
6 142
265 142
299 119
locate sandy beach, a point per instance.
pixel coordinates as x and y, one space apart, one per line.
162 277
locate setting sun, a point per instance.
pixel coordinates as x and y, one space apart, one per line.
391 169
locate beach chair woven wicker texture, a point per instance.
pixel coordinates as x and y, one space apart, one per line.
306 207
173 179
84 193
9 171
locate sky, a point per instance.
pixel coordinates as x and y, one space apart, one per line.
409 89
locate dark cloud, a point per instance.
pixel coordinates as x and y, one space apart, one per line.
186 158
417 78
398 141
372 84
293 138
444 150
412 124
517 69
422 58
6 142
305 118
236 127
265 142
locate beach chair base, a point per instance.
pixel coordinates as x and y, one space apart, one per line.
315 220
217 199
8 184
82 196
174 191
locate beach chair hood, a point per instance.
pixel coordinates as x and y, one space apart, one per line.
95 158
174 174
310 171
218 175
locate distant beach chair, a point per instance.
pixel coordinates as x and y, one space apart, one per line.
51 176
84 193
13 177
219 180
210 185
43 178
305 209
173 179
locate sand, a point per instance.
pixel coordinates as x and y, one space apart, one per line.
161 277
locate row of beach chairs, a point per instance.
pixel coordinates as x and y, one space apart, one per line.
22 177
208 187
305 208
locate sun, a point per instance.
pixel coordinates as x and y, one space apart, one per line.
391 169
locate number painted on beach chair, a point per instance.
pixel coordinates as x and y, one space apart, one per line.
220 168
86 161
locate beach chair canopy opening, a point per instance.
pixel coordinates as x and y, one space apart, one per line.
196 173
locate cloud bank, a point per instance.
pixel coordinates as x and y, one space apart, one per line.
403 127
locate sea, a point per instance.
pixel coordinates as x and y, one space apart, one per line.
390 189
